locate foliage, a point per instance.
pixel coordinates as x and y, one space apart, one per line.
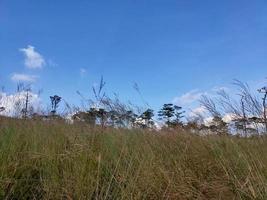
146 119
55 100
172 114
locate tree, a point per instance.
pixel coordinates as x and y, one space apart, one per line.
121 118
26 108
2 109
167 112
145 120
102 115
192 126
148 114
172 114
219 126
246 112
129 118
264 92
178 116
27 102
88 117
55 100
241 121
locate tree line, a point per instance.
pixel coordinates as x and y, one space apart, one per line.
247 111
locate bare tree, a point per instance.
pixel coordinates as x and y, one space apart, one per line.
24 90
25 110
264 92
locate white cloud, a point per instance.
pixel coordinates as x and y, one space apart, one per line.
208 121
188 97
221 88
199 111
229 117
51 63
33 59
193 96
14 103
23 78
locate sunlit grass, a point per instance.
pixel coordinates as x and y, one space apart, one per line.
59 161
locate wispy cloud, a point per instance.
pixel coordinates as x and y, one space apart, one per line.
198 111
33 59
51 63
83 72
188 98
194 95
23 78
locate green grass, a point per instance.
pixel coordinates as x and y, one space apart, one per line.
59 161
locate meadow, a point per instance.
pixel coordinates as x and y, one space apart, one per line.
41 160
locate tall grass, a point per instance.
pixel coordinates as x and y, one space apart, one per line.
57 161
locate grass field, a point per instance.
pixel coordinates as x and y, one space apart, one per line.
59 161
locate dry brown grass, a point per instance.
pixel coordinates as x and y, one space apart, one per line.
58 161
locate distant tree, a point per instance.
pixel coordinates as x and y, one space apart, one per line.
218 126
102 115
2 109
109 111
148 114
114 117
241 120
192 126
167 112
121 118
145 120
129 118
27 102
23 105
55 100
172 115
264 92
178 116
88 117
250 105
248 115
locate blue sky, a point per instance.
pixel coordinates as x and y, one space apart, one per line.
169 47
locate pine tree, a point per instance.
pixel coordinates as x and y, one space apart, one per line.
171 114
55 100
147 117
